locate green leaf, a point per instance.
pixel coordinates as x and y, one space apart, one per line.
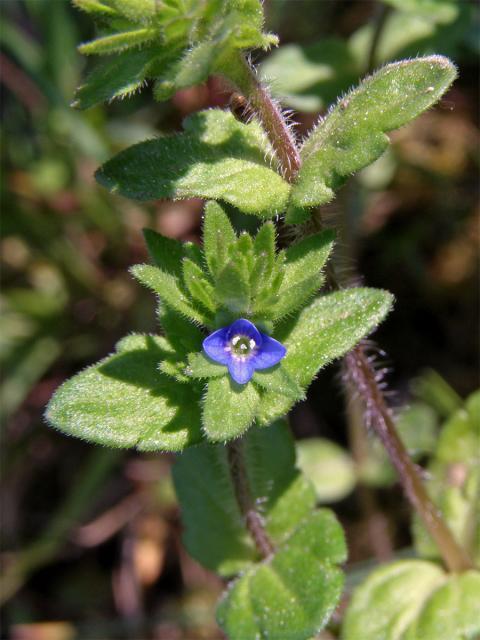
216 157
214 529
291 595
136 10
183 336
96 8
228 409
414 600
168 288
329 468
118 41
193 40
325 330
264 252
454 481
302 273
232 287
329 327
117 77
218 237
166 253
197 284
278 381
199 366
352 136
309 78
124 401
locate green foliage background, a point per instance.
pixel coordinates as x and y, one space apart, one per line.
67 298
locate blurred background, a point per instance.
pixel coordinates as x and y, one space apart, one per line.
90 537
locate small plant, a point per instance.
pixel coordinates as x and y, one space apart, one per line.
246 327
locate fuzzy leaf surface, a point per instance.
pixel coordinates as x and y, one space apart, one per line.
304 262
291 595
216 157
325 330
228 409
193 40
353 134
125 401
169 289
215 533
218 237
117 76
414 600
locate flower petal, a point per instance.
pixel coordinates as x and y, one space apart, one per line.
214 346
241 370
245 328
269 354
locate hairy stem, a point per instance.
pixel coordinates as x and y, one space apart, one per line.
360 372
271 117
361 376
253 520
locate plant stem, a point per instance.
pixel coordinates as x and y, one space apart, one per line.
359 370
253 520
270 115
361 376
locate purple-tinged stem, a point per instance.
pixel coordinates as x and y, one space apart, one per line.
271 117
361 376
253 520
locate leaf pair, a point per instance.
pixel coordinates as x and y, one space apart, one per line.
218 157
290 594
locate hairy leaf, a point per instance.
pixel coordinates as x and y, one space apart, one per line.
215 532
118 41
228 409
304 262
198 285
218 237
168 288
199 366
414 600
216 157
353 134
195 39
233 288
124 401
325 330
291 595
278 381
115 77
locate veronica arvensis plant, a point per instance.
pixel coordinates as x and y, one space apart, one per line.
244 325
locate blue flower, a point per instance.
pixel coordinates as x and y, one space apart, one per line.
242 348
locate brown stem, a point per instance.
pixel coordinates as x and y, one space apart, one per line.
359 369
377 524
270 115
253 520
361 375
